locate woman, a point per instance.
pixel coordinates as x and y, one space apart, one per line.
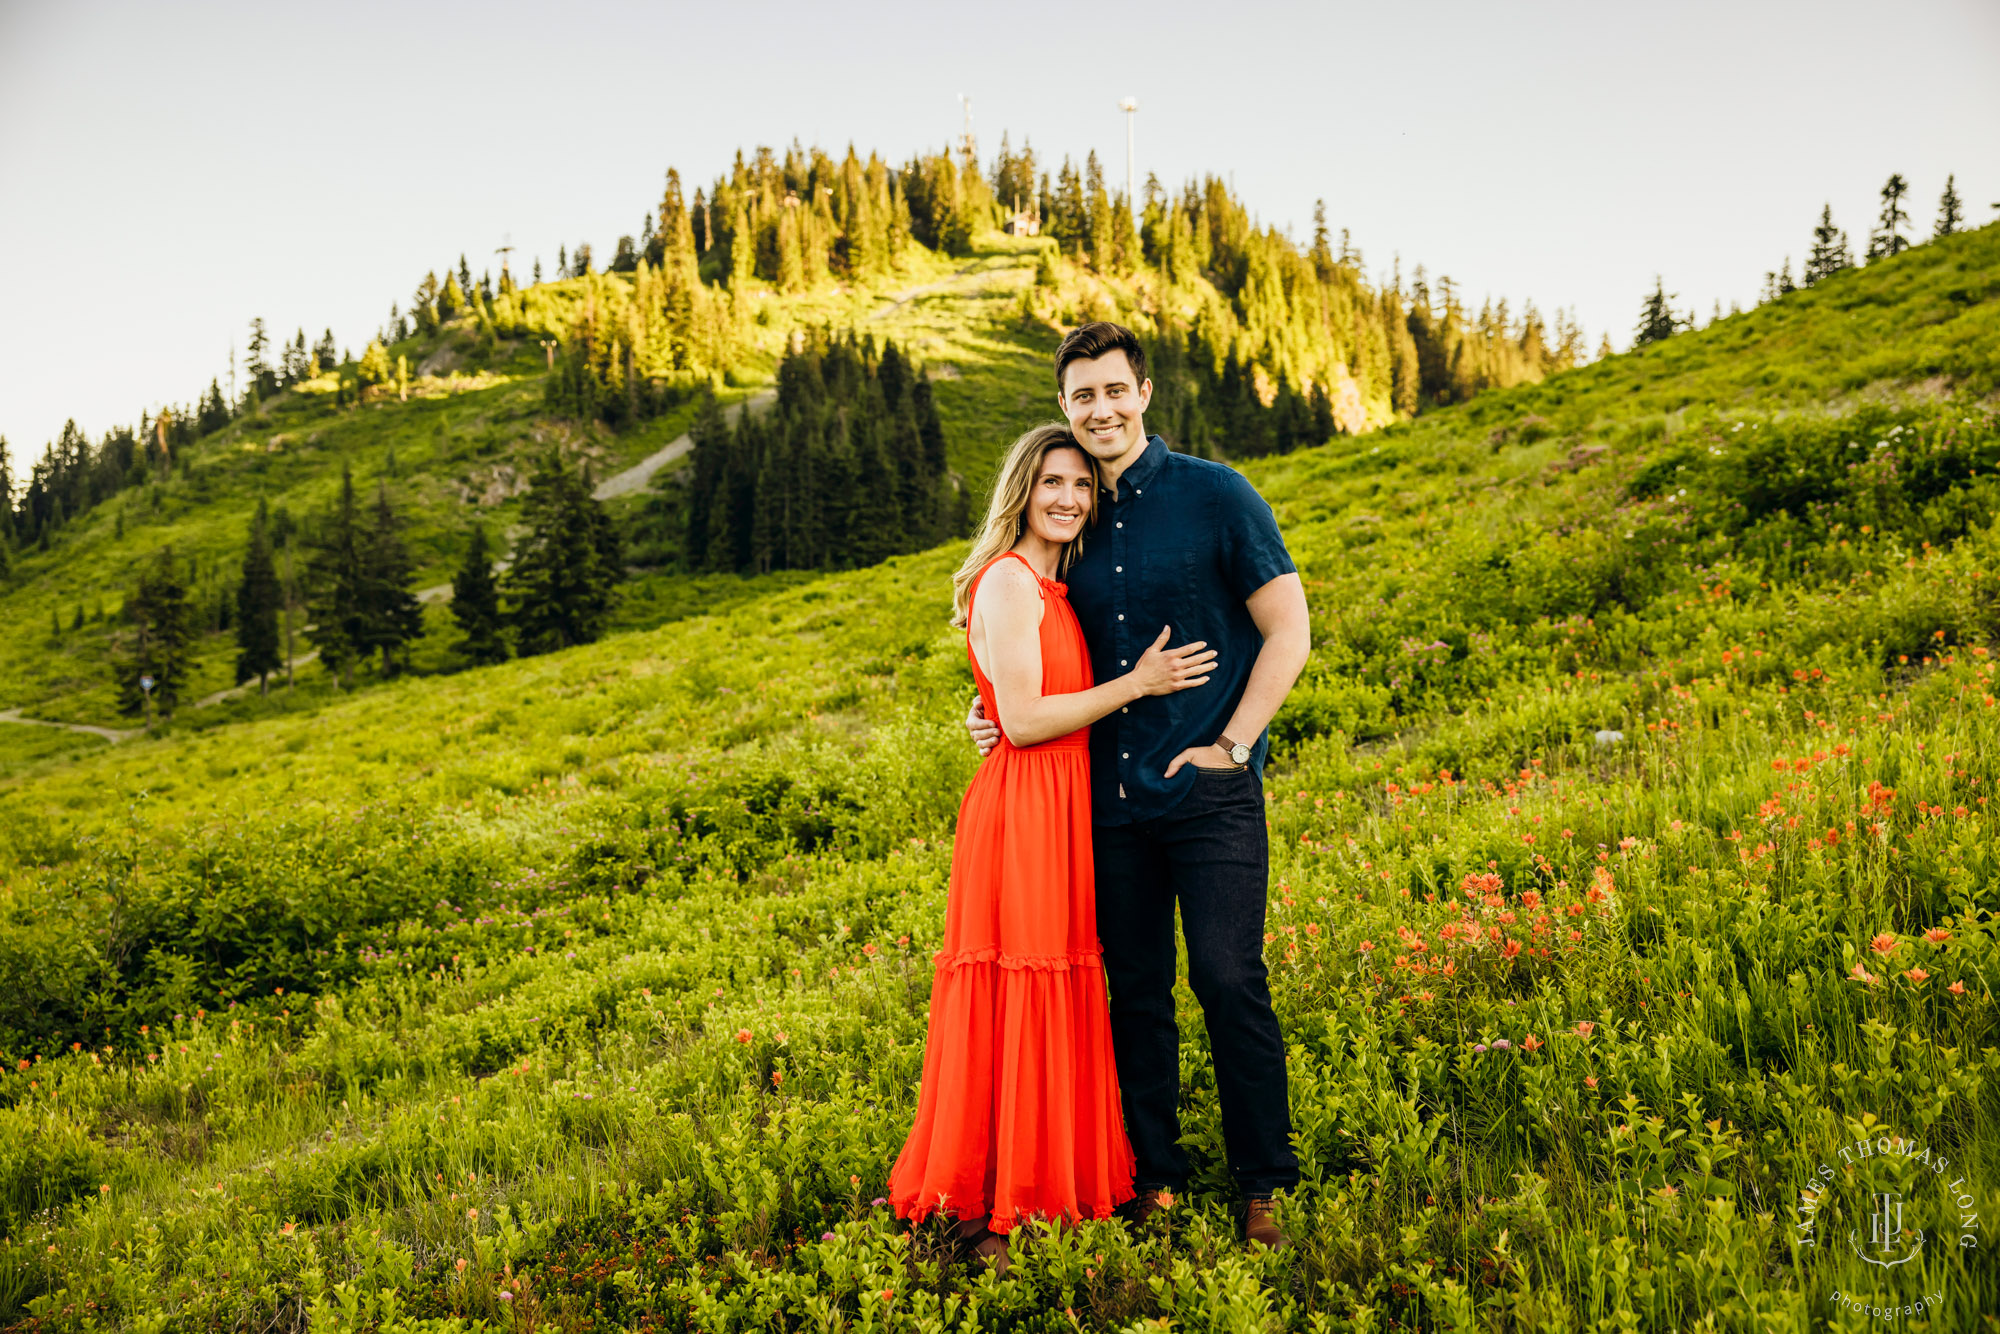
1018 1115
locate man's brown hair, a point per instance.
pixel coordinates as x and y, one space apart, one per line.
1087 342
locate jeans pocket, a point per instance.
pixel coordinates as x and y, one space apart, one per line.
1218 773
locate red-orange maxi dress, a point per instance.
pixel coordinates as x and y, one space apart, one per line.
1018 1116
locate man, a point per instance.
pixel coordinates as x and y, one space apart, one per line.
1177 795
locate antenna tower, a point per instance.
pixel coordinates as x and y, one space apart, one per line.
1130 107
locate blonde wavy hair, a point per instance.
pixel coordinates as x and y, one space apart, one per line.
1007 513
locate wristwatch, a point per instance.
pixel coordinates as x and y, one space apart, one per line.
1238 752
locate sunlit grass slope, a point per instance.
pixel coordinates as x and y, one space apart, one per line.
1632 853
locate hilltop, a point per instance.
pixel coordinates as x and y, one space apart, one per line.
1630 847
1261 345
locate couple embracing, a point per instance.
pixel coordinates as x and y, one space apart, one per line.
1122 778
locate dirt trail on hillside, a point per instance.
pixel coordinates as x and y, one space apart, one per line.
635 478
904 298
111 734
311 655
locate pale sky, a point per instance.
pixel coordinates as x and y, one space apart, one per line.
167 170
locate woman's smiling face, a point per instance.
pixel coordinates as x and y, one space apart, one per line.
1059 502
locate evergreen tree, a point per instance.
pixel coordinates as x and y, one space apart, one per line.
374 367
424 304
392 615
1951 213
1829 254
1656 317
475 604
1405 378
1069 212
1887 239
162 638
6 496
1102 250
263 379
561 584
742 250
1322 249
213 414
336 602
710 437
326 352
258 598
1780 283
297 360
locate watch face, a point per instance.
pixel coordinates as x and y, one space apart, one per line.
1240 753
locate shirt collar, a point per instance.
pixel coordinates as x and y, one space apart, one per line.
1142 472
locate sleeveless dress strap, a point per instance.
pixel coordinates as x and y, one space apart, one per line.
1039 581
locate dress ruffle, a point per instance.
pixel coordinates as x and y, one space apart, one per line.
1041 963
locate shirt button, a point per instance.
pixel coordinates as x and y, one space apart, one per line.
1121 662
1119 568
1125 710
1119 524
1125 755
1121 615
1137 492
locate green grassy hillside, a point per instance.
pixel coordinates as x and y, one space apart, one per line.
460 449
1631 855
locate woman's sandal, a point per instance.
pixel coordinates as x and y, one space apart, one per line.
976 1241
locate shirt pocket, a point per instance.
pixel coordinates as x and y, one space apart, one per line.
1171 591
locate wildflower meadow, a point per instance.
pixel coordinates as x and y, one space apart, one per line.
1632 920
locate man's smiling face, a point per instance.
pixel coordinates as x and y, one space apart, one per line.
1106 405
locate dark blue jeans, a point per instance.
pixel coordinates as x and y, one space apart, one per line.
1211 855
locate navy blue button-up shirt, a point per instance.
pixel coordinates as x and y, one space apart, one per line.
1184 543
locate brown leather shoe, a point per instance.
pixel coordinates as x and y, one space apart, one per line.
1144 1211
977 1242
1260 1225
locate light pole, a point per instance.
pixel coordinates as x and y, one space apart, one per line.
1130 107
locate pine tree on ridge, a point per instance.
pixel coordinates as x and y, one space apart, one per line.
1951 213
